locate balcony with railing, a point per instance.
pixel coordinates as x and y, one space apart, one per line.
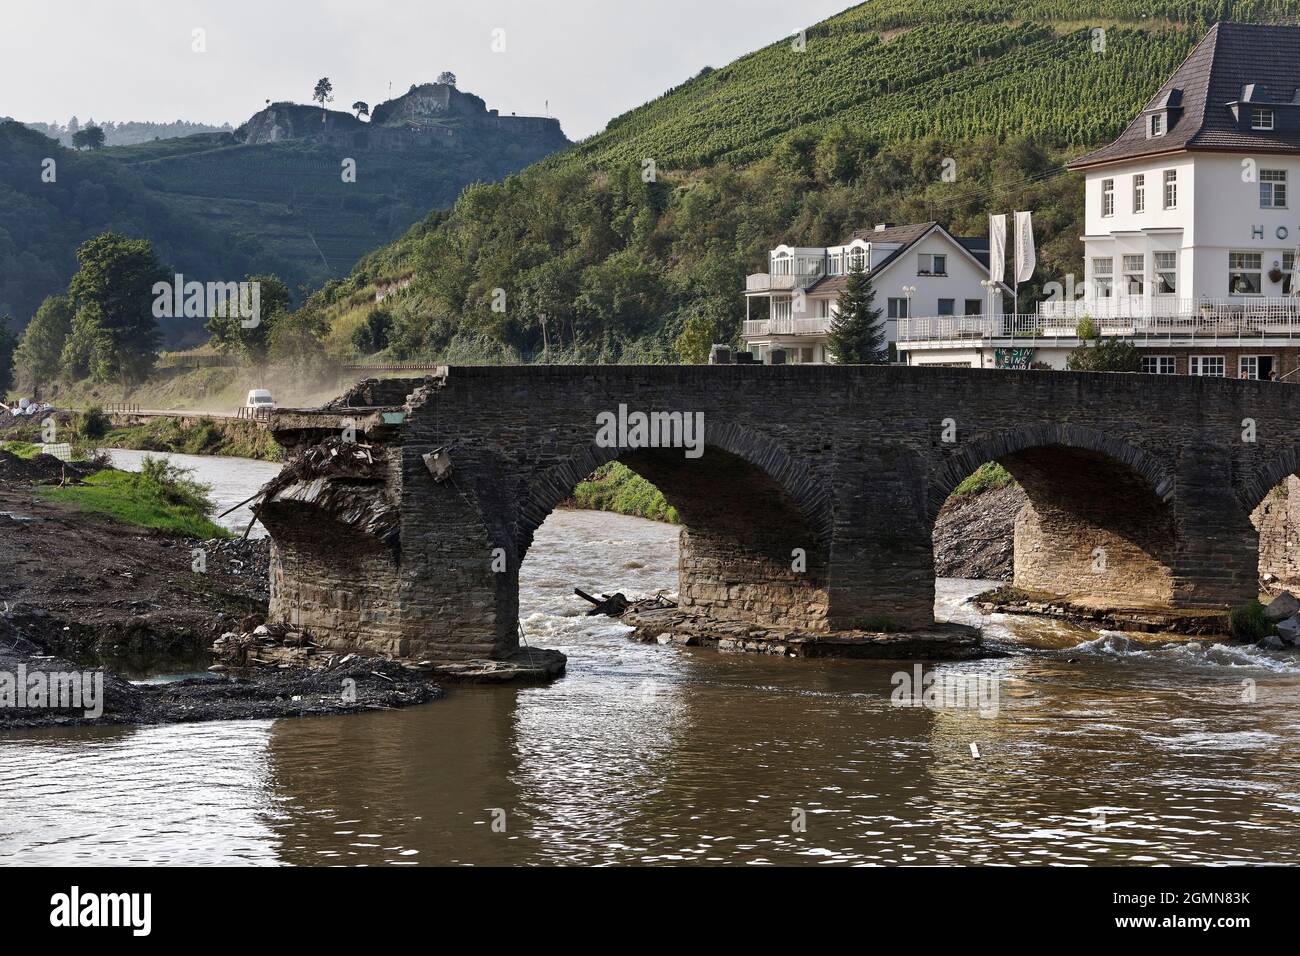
787 325
1159 321
801 278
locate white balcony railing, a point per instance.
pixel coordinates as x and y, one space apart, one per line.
787 326
763 282
1200 320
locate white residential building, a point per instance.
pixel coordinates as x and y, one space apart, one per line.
920 267
1190 227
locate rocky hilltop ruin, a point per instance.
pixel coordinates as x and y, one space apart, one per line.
428 114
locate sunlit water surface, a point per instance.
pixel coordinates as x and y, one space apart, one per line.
1103 750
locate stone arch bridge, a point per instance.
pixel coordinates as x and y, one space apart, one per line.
401 523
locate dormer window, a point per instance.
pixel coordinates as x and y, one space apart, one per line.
931 265
1157 124
1261 117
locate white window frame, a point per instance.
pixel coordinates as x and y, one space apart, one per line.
1107 198
1157 127
1157 273
932 264
1171 189
1263 118
1134 266
1139 193
1272 184
1159 365
1244 268
1103 280
896 307
1196 365
1248 361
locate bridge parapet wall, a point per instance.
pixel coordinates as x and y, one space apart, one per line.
845 466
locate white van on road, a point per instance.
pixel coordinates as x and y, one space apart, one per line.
259 398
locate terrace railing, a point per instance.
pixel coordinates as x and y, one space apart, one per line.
1200 319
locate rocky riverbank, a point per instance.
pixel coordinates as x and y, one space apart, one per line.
82 594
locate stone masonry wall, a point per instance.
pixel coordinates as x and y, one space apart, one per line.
851 464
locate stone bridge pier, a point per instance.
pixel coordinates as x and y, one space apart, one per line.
807 495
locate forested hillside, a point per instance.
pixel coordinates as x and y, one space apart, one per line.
797 142
270 197
42 222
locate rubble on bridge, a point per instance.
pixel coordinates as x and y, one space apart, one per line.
346 480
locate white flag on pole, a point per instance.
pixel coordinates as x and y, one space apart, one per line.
997 247
1025 256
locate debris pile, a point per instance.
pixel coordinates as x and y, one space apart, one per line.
347 479
611 605
44 469
662 621
278 647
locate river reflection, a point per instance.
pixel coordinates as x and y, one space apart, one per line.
1103 750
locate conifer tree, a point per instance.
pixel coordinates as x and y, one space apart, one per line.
857 335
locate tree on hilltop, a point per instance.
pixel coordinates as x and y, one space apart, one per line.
361 108
447 77
92 137
324 92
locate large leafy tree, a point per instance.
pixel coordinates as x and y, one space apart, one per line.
230 333
92 137
115 335
39 352
857 335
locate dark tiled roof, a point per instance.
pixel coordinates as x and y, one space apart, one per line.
904 234
1230 58
908 235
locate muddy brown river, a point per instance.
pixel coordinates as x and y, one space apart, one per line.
1101 749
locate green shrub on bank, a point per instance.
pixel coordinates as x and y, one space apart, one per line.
987 477
615 487
93 423
154 498
1247 622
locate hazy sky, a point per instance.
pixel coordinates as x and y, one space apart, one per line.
592 59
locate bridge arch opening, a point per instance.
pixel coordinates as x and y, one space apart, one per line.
749 549
1082 522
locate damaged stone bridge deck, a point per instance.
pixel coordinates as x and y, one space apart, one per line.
401 522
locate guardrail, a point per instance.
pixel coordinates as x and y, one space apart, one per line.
1210 324
254 414
122 408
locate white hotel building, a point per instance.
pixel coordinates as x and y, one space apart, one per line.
1192 221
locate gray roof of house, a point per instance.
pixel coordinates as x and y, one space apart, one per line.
1233 63
907 235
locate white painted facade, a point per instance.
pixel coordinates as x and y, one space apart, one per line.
928 273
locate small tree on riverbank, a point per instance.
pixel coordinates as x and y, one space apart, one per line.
857 335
